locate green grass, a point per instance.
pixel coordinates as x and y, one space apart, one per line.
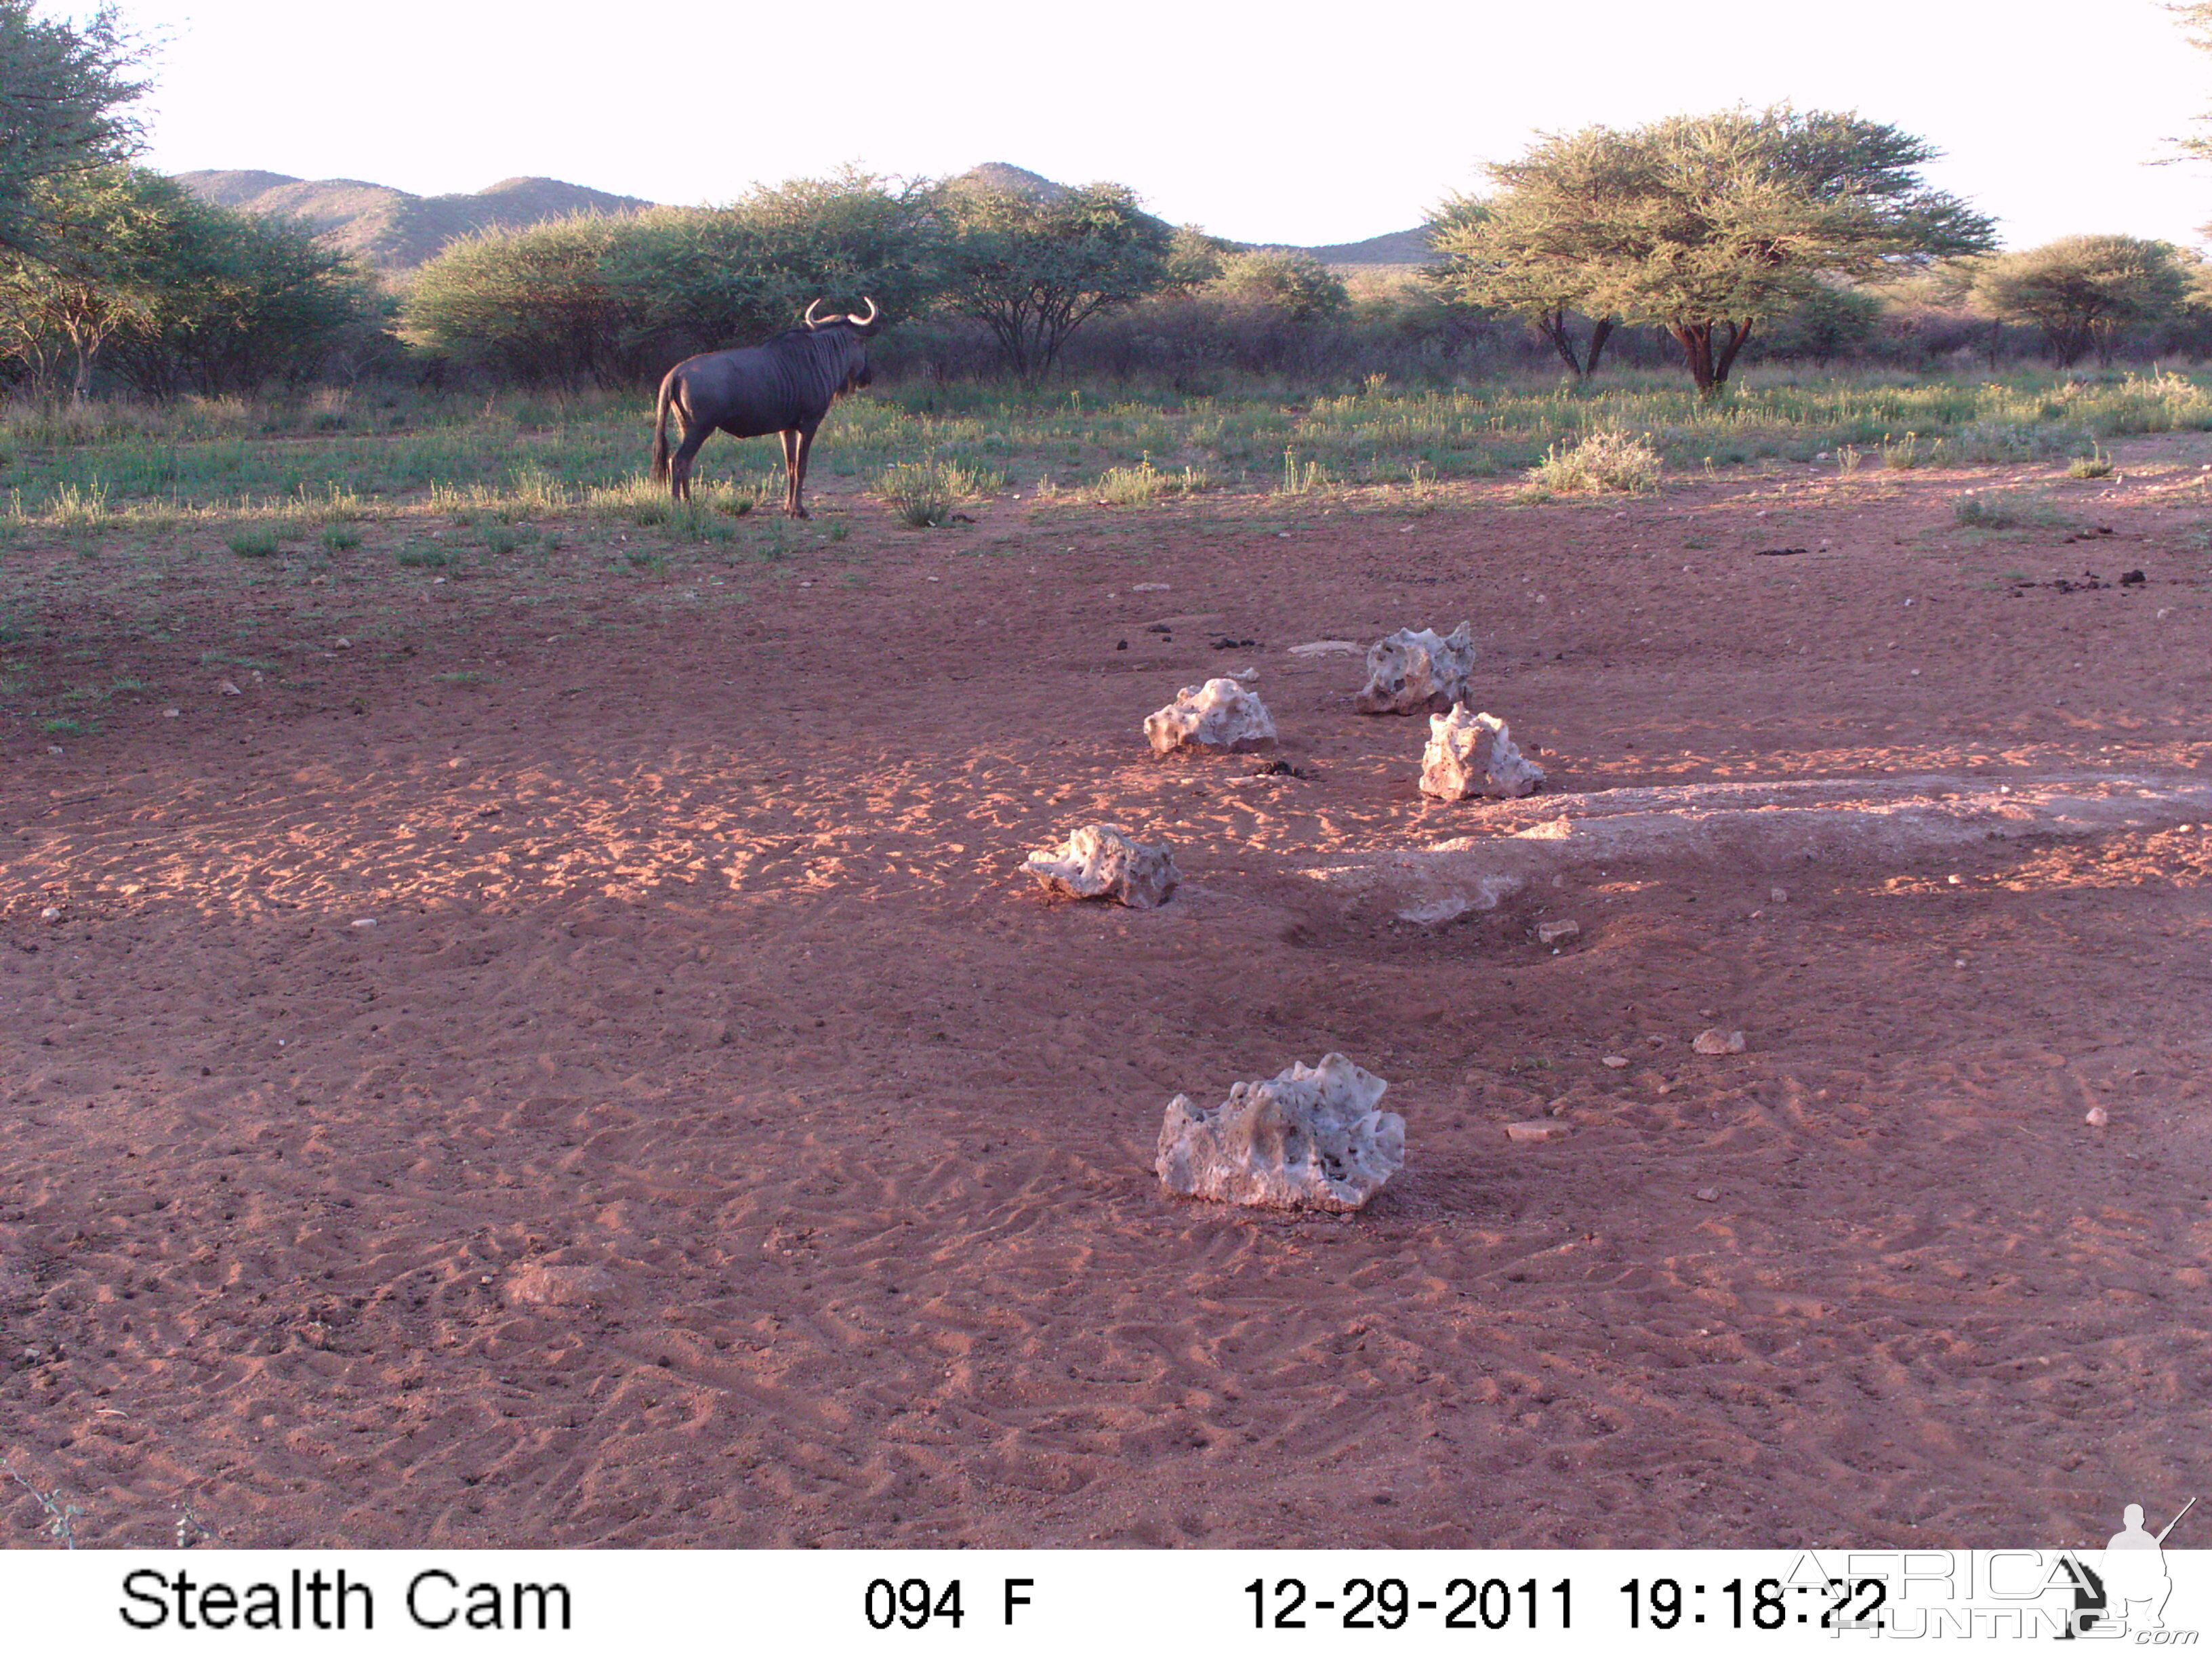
252 541
2013 509
332 461
2095 465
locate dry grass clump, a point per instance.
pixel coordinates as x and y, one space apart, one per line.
1607 459
1143 484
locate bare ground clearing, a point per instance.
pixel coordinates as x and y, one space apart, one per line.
714 1141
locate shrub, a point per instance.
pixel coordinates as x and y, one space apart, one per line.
256 541
1607 458
2095 465
2012 510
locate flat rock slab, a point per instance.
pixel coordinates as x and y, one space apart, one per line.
1539 1129
1749 827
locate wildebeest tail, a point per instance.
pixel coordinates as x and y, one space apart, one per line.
660 429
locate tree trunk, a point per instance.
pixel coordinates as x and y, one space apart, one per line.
1601 331
1552 325
1696 340
1737 334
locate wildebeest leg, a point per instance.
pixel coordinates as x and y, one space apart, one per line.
679 465
796 456
794 470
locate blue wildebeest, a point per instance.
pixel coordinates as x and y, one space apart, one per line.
785 385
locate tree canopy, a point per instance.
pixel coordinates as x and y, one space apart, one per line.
62 92
2082 292
1514 262
1034 270
1704 225
136 276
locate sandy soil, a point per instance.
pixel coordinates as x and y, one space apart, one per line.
628 1095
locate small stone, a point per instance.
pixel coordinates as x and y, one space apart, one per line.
53 913
1411 673
132 888
1954 881
343 644
1615 1062
228 689
540 1284
1541 1129
364 922
1778 894
2096 1117
1148 587
1102 861
1558 932
1714 1041
171 713
1219 714
1707 1194
1310 1137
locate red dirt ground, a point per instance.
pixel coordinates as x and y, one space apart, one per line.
715 1140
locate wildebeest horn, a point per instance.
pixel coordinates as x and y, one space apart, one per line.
864 321
810 312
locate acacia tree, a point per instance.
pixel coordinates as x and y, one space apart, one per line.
98 271
533 304
1509 255
1705 225
2082 292
62 89
171 292
1034 270
697 279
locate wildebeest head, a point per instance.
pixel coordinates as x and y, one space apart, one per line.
851 332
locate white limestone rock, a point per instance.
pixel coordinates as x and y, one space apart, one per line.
1102 861
1219 714
1308 1138
1410 673
1470 755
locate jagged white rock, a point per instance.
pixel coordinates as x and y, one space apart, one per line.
1103 861
1308 1138
1470 754
1410 673
1220 715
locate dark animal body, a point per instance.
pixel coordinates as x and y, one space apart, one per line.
785 385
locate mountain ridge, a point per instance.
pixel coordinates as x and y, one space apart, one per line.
395 230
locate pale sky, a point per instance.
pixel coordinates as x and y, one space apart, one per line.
1265 124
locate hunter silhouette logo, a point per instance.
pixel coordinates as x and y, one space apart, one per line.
2136 1582
2127 1589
